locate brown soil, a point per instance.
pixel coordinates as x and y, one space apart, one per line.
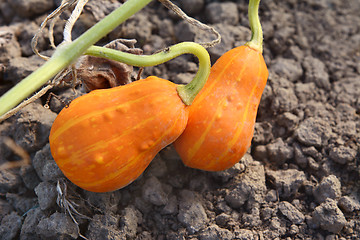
299 180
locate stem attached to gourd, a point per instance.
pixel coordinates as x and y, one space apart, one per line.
186 92
66 53
256 41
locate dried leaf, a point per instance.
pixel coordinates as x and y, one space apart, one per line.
101 73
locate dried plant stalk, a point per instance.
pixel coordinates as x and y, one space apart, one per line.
26 102
52 16
73 18
25 158
168 4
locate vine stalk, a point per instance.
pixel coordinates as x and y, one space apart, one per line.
66 53
256 41
186 92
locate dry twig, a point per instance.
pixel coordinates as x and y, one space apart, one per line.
53 17
68 205
25 158
73 18
168 4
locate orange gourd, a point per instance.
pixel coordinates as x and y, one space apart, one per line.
105 139
222 116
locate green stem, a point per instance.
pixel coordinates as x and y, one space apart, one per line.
256 41
66 53
186 92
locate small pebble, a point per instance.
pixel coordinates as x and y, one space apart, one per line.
222 219
129 220
271 196
171 206
201 183
214 232
226 175
106 202
288 181
47 194
31 8
278 226
285 100
184 31
306 91
313 165
249 189
21 203
329 217
252 219
342 154
291 212
267 213
138 27
222 206
5 208
349 204
10 226
51 171
288 120
192 7
313 131
104 227
57 226
331 237
347 90
153 192
294 229
9 47
281 37
287 68
279 152
315 71
45 166
29 226
262 133
260 153
300 158
312 151
329 187
222 12
29 176
191 212
244 234
25 35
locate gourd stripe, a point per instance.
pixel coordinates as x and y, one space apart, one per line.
73 122
241 124
97 146
206 91
193 150
132 161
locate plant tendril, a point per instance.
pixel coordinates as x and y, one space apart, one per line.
186 92
256 40
168 4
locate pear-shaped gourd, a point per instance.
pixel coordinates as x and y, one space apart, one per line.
105 139
222 116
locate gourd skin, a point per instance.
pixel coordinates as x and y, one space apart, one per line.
105 139
222 116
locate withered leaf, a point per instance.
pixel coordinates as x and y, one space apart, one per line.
100 73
